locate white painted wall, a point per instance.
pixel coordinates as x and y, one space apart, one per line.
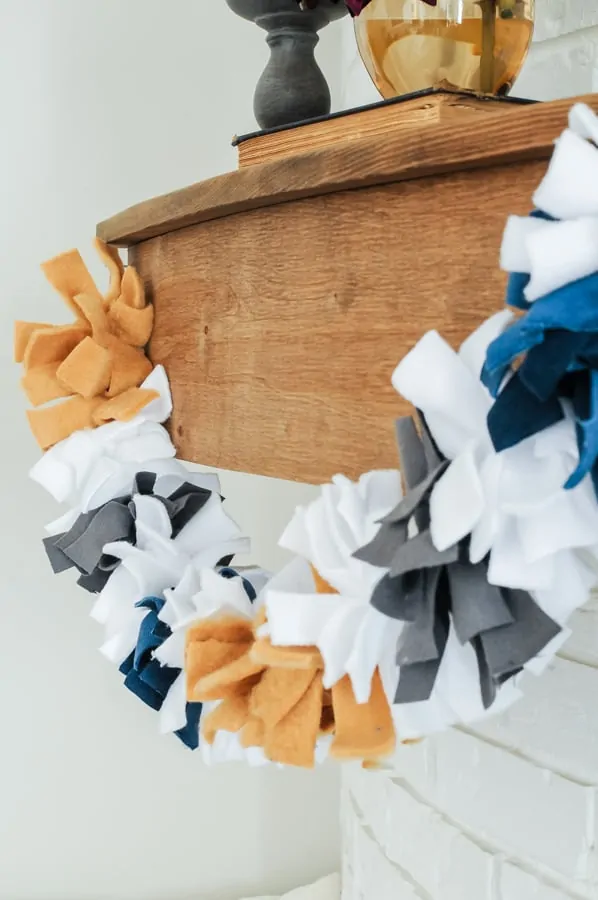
506 811
105 103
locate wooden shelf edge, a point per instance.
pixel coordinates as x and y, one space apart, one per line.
524 134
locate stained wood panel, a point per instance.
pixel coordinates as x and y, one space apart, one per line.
519 135
286 293
280 327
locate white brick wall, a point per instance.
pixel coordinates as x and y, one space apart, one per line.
506 810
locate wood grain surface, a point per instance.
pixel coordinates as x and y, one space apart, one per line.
280 327
520 135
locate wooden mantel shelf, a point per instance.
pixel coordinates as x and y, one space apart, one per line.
286 293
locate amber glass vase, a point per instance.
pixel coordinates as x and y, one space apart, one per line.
466 45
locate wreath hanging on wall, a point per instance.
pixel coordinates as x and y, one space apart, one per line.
414 601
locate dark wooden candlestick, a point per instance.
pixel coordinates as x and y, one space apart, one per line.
292 86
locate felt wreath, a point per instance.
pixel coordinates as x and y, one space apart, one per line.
406 608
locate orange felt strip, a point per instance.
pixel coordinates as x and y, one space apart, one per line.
293 740
363 730
327 717
230 629
263 651
86 371
134 326
22 334
113 262
132 290
124 407
53 344
130 366
230 715
227 679
55 423
253 733
204 657
69 275
277 693
93 311
259 619
322 586
41 385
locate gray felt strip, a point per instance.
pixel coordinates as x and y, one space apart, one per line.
417 642
420 553
476 605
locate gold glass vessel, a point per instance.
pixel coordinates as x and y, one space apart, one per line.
466 45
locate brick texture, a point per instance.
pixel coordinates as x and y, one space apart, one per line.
505 810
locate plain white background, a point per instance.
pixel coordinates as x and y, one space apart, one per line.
105 103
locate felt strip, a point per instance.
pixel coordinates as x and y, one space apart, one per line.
587 435
422 644
477 606
419 641
122 408
362 730
22 336
99 353
92 310
42 386
132 293
569 188
327 721
207 656
399 598
546 365
264 653
53 344
112 260
228 629
134 326
518 414
130 366
123 520
508 649
52 424
384 544
414 467
86 370
420 553
292 740
322 586
515 295
83 545
253 733
189 733
230 715
219 683
69 275
278 691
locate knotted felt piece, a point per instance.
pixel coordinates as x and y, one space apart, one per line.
152 681
157 561
512 503
337 618
546 362
82 546
273 697
433 590
199 595
98 361
95 465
